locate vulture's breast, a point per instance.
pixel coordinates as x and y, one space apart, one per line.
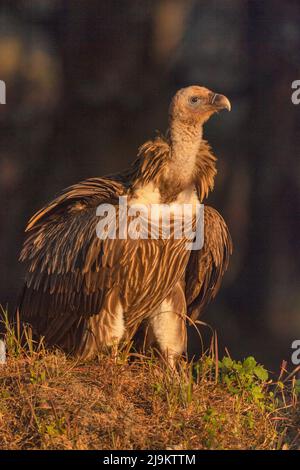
150 194
149 200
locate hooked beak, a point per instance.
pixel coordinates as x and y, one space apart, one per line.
220 102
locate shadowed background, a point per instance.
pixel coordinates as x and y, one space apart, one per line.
88 82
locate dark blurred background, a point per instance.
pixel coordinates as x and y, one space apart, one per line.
88 82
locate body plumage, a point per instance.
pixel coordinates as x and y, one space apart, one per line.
83 293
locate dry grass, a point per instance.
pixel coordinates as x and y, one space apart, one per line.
48 401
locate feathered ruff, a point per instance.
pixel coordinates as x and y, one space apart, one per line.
152 166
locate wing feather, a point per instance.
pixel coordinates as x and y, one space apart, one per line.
67 274
71 272
207 266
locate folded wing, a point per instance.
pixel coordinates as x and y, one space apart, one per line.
207 266
72 273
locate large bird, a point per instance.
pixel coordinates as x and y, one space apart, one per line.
84 292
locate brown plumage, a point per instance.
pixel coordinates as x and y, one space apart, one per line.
83 293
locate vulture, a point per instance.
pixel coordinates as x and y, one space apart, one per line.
84 292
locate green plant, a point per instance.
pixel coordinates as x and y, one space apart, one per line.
297 387
56 427
214 422
244 377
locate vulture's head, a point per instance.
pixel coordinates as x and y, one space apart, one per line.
195 105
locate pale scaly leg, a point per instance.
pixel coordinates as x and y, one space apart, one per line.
168 325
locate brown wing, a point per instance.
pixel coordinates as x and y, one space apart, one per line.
206 267
71 272
67 272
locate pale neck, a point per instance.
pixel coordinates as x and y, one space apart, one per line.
185 143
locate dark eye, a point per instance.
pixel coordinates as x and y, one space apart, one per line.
194 100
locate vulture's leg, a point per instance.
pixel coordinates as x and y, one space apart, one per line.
168 325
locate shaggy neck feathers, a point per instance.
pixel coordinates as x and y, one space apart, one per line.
161 163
